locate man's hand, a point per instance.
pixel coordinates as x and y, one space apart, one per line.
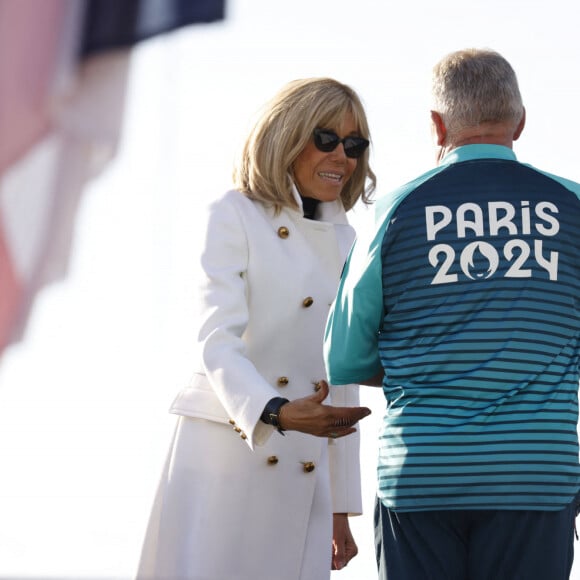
344 547
309 415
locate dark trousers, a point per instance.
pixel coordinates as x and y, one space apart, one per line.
475 544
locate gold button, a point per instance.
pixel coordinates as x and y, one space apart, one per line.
308 302
308 466
243 436
283 232
232 422
317 386
272 460
282 381
237 430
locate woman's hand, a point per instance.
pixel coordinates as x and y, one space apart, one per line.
344 548
310 415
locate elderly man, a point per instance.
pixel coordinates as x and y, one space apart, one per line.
465 307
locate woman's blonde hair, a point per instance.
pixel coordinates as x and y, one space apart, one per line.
283 130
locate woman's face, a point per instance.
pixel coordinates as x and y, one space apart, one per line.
322 175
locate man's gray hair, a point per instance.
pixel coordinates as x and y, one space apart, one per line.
475 86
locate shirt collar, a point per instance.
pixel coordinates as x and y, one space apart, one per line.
479 151
327 211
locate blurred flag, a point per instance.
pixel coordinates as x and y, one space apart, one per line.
63 73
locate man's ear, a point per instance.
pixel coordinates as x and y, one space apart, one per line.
438 126
520 126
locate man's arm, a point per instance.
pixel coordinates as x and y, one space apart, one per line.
352 330
374 381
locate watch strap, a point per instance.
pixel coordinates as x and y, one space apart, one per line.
271 413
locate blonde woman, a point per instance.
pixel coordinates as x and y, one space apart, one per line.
263 471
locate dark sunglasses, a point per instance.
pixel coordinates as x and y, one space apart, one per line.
327 140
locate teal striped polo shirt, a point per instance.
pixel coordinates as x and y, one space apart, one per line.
468 297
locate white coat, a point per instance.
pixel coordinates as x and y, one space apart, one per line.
237 500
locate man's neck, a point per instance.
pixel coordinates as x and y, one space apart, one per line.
492 134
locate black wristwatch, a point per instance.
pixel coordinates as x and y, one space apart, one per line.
271 413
